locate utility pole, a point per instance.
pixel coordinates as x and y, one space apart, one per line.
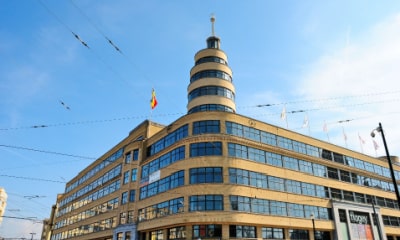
32 235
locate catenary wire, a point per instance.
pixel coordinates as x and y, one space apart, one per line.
32 179
44 151
172 114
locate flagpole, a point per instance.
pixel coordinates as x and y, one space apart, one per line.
326 131
345 137
361 143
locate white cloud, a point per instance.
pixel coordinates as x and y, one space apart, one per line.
368 66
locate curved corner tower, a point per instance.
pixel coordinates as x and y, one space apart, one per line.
211 87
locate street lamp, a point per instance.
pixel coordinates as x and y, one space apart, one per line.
313 224
396 189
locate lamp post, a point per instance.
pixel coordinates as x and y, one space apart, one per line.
313 224
396 189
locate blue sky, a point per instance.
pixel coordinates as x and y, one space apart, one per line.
336 59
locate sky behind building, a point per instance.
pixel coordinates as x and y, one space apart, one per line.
77 76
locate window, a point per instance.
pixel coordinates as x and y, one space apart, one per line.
131 216
208 126
239 203
293 186
291 163
207 231
295 210
333 173
308 189
126 177
211 59
135 154
345 176
205 149
132 195
298 234
338 158
285 143
206 202
256 155
347 195
211 74
305 167
275 183
268 138
211 90
272 233
326 154
134 175
168 140
336 193
157 235
360 197
274 159
210 107
124 198
122 218
128 157
206 175
177 233
319 170
278 208
237 231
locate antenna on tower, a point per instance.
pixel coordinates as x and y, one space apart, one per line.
212 19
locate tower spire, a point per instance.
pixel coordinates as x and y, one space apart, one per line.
212 19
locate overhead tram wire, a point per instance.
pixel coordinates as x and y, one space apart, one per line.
32 179
324 99
87 122
48 152
172 114
84 43
118 49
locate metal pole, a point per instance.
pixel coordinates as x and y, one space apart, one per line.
396 189
313 227
378 223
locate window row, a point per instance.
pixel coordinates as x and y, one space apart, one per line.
163 161
173 181
214 231
271 207
259 180
211 90
210 108
391 221
207 126
105 224
102 192
112 158
168 140
363 198
206 175
115 172
258 155
211 74
94 211
110 175
292 145
205 149
211 59
162 209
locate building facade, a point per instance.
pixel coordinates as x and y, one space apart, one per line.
215 174
3 202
